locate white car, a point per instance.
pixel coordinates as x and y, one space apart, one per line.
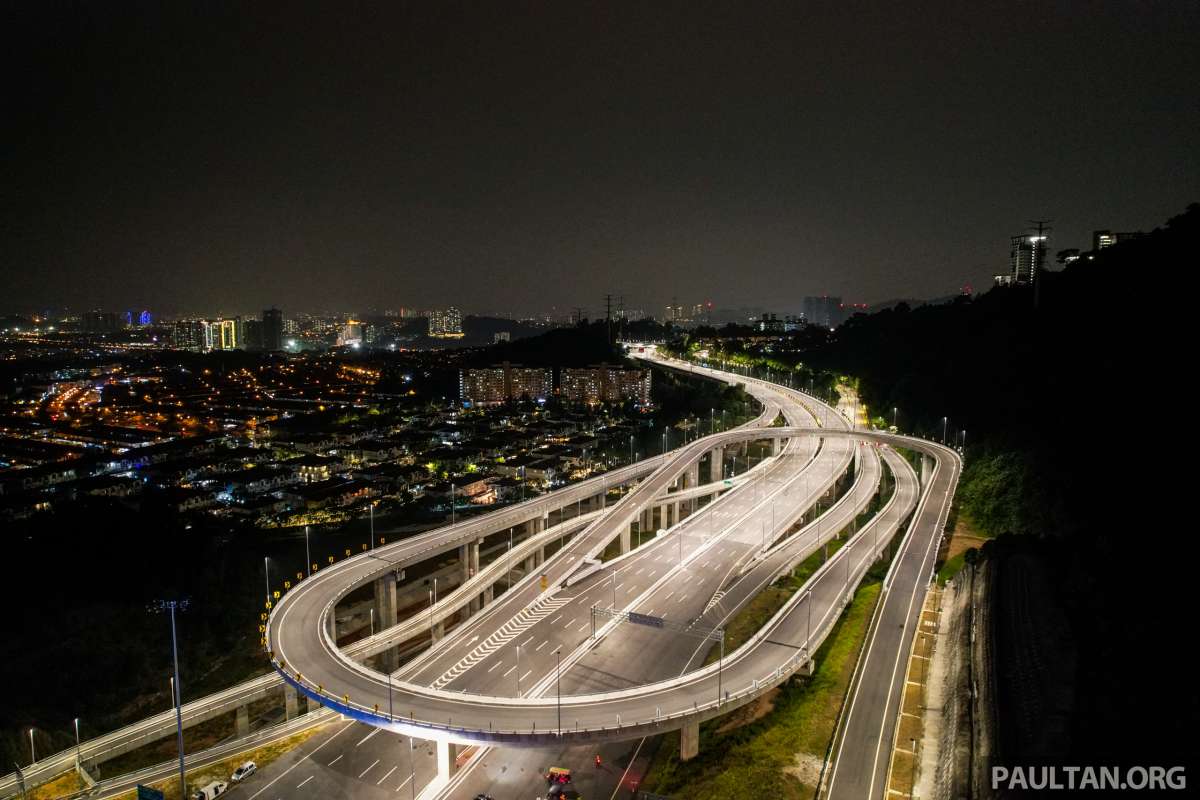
244 771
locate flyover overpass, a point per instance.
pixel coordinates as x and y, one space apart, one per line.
530 517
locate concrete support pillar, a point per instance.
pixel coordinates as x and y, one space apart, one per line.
290 702
775 445
808 669
716 463
385 601
603 499
539 556
243 721
489 594
439 630
447 761
689 740
625 535
468 555
385 615
926 469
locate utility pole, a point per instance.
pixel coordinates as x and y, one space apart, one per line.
608 303
1039 252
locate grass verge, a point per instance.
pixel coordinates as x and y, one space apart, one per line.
778 747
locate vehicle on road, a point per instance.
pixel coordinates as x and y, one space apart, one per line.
243 772
558 775
560 792
482 796
212 790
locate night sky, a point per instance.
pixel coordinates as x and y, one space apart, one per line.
514 158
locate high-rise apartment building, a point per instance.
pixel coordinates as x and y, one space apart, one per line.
1103 239
189 334
499 384
201 335
272 329
446 323
223 334
1026 258
605 383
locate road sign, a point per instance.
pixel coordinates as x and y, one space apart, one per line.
148 793
645 619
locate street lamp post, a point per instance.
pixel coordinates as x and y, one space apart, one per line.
78 760
372 508
307 553
558 685
32 752
518 671
171 606
412 769
945 420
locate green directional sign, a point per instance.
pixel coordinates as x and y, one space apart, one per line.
148 793
728 482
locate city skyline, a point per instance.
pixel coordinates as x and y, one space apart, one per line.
530 158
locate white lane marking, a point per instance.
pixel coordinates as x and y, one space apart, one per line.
526 675
405 783
507 672
368 736
493 666
331 763
669 596
306 780
385 777
368 769
540 646
583 627
570 621
527 641
345 728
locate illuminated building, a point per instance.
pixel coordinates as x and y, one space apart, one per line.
1103 239
606 383
189 334
499 384
351 334
1026 257
446 324
223 334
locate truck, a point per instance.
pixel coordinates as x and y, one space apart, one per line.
211 791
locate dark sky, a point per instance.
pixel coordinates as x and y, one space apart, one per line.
516 157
